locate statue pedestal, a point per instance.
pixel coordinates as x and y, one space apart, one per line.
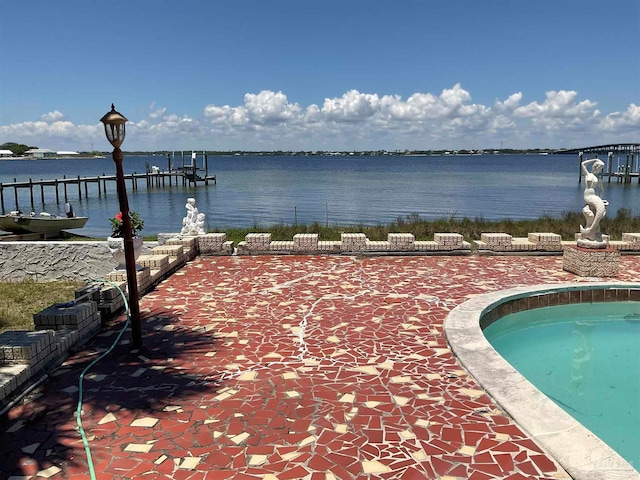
590 262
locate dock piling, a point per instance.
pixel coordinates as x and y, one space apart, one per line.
15 194
31 195
627 171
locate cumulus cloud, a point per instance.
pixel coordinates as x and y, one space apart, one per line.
560 112
270 107
353 106
56 135
355 120
627 121
557 104
510 104
52 117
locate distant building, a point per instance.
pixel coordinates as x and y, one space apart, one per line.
6 153
40 153
67 153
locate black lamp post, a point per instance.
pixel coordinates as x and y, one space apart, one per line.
115 130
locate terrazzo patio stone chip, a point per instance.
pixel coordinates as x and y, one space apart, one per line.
49 472
372 467
147 422
109 417
138 447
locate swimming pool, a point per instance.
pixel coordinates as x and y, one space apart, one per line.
580 452
586 358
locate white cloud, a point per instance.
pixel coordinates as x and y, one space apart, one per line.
510 104
270 107
52 117
312 114
560 104
628 121
158 113
353 106
226 115
560 117
356 120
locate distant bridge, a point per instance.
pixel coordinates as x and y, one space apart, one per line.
632 148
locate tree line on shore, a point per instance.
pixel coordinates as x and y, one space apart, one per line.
360 153
19 149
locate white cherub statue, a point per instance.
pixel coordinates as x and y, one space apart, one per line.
193 223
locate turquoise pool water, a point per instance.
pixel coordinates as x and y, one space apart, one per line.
586 358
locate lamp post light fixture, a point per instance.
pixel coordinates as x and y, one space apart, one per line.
114 128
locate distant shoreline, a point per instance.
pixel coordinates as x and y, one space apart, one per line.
304 153
62 157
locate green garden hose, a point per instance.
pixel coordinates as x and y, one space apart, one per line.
87 449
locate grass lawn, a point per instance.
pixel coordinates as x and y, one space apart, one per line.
19 301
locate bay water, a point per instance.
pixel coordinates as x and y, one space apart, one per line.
255 191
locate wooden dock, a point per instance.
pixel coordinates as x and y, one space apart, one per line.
624 172
185 175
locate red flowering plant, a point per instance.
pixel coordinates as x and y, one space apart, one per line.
117 227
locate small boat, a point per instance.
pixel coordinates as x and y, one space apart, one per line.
42 223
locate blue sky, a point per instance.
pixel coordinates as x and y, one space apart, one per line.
330 75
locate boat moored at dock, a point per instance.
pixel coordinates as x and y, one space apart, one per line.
42 223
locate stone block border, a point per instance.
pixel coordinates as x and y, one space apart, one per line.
537 243
544 243
354 243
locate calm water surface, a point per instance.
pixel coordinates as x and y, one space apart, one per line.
339 190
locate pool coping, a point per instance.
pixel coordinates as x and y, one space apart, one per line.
580 452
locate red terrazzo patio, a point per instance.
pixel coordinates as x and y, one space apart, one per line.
288 367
